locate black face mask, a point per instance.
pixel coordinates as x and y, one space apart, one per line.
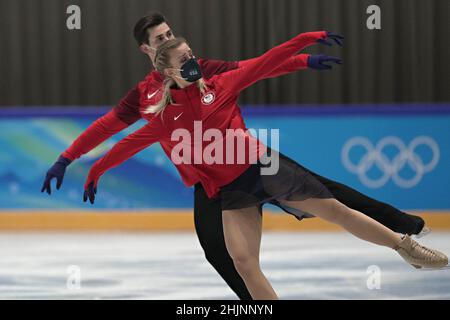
190 70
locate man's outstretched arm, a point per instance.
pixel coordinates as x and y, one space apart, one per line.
120 117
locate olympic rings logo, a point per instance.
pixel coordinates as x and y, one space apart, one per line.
390 168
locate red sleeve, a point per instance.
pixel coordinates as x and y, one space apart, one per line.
212 67
261 67
100 130
128 108
293 64
125 149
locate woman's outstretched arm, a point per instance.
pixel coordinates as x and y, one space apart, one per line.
261 67
122 151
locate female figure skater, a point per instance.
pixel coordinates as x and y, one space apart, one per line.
185 100
150 32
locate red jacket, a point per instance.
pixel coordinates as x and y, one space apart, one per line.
216 109
128 111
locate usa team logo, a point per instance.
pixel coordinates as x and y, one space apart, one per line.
208 98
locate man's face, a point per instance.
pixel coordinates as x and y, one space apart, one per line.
157 36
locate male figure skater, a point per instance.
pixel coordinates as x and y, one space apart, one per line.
150 32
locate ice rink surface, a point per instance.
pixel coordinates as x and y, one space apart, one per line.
172 266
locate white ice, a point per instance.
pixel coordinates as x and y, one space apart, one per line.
172 266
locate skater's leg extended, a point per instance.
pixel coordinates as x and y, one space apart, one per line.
209 228
351 220
368 229
384 213
242 229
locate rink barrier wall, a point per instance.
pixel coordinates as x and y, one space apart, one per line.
167 220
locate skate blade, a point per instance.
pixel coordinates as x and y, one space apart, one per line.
425 231
447 267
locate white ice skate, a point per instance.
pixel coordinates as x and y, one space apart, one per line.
420 256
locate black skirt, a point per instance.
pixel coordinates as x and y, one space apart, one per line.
291 182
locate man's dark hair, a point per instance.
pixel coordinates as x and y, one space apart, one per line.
141 27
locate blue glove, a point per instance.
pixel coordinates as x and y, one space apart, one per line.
57 170
337 38
318 61
90 193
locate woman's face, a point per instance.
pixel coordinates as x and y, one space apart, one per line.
178 57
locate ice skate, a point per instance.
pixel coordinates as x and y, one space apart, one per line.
419 256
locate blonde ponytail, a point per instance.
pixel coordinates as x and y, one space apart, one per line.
165 100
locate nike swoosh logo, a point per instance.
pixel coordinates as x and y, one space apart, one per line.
149 96
175 118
